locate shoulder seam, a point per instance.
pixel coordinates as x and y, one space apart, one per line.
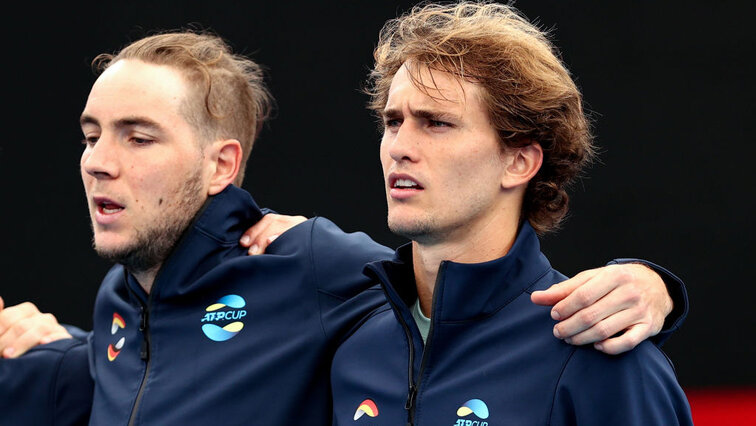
315 280
559 380
54 390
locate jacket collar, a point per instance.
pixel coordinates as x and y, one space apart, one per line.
210 238
466 291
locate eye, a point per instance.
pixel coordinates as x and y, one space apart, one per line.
391 122
437 123
141 141
90 140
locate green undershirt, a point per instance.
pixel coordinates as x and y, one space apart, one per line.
423 322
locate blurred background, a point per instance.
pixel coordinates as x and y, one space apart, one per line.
670 87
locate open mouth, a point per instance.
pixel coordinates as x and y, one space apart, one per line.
403 182
106 206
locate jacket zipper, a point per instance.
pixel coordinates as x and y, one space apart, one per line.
144 313
409 405
144 354
411 382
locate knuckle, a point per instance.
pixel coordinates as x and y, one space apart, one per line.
625 275
591 272
614 348
579 275
583 297
21 327
634 296
602 331
640 313
632 341
587 316
27 307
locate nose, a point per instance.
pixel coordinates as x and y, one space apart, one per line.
403 143
100 159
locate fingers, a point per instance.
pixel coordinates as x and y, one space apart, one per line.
587 292
262 243
11 315
599 321
251 237
252 234
23 327
559 291
608 327
627 341
600 303
62 334
30 332
2 303
258 237
634 287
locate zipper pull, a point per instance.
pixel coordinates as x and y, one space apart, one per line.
410 403
410 397
145 352
142 319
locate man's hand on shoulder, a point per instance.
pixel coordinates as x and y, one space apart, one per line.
22 327
258 237
597 304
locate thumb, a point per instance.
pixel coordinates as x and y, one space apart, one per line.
2 303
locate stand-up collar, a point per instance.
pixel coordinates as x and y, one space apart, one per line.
213 235
466 291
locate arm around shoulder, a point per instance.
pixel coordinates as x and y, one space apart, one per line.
344 291
678 293
340 257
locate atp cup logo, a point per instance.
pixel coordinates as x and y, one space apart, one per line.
473 406
217 314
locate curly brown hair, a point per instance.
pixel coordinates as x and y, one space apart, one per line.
528 92
229 99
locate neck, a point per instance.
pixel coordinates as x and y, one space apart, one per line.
474 247
147 278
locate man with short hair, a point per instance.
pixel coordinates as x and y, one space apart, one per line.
187 327
483 131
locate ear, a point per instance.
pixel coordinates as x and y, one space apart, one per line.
523 164
225 159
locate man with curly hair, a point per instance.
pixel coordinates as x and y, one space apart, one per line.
484 129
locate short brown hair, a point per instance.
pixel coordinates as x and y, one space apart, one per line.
528 92
229 99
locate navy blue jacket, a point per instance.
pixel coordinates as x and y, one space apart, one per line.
490 357
226 338
49 385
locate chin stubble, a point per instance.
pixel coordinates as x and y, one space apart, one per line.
154 242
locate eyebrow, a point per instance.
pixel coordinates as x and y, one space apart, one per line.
421 113
124 122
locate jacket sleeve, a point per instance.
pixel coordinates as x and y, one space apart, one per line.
49 385
632 389
677 291
345 294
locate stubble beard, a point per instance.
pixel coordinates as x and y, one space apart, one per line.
153 243
422 230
